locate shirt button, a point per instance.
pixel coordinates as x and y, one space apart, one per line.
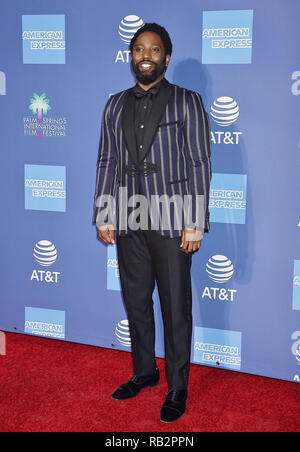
141 146
145 106
142 126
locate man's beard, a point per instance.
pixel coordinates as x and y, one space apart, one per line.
146 79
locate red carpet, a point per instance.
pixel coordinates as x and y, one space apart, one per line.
53 386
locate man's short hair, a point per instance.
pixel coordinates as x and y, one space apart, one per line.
159 30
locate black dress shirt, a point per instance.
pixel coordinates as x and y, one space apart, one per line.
144 101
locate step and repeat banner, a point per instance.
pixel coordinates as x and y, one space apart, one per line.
59 63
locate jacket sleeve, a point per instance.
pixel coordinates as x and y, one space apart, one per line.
104 199
198 152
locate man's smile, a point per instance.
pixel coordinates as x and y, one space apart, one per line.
146 66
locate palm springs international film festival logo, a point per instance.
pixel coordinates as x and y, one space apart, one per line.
45 254
224 112
127 29
41 124
220 270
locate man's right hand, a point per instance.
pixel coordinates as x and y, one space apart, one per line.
106 233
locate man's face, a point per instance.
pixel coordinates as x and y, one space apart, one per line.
149 60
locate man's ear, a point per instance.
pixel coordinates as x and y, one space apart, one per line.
168 57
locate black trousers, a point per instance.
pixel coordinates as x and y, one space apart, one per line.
145 257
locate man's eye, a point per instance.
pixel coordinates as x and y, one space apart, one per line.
156 49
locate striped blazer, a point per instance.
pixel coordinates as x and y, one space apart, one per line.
177 147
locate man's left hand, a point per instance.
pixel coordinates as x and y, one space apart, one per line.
191 240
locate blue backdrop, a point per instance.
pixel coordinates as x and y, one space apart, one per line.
59 62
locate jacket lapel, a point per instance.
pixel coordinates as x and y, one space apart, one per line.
156 114
128 125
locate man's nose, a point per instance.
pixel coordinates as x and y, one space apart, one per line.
147 54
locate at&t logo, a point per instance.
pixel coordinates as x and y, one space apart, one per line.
296 346
225 112
296 351
127 29
123 334
220 270
45 255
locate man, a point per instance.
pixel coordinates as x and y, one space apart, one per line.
155 153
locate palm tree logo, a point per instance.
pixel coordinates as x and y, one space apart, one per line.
39 105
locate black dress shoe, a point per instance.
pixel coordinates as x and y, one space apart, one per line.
134 385
174 406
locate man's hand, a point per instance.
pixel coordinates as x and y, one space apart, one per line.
106 233
191 240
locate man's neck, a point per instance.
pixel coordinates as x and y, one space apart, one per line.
147 87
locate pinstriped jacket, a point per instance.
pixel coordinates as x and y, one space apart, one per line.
177 143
